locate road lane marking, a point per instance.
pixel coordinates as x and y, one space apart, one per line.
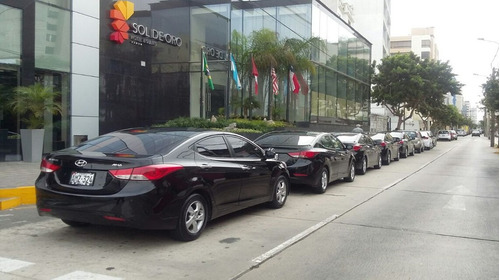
82 275
456 202
9 265
276 250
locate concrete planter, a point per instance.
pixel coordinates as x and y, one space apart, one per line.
32 144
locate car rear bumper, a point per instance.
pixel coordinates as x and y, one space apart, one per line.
144 211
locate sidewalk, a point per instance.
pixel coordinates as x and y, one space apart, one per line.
17 181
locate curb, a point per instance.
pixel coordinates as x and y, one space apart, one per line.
10 198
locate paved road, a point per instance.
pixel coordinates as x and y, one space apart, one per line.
430 216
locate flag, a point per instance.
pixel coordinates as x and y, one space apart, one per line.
207 72
275 82
294 82
255 74
235 73
304 87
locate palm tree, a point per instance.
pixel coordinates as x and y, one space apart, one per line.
33 102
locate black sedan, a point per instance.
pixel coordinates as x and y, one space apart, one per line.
388 145
312 158
366 152
407 146
159 179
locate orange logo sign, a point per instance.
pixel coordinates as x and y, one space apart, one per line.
122 11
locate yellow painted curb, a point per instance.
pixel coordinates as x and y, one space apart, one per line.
10 198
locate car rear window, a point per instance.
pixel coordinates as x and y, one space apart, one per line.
285 140
347 139
136 143
443 132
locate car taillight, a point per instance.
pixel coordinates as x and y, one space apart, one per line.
401 142
145 173
47 166
356 148
383 144
304 154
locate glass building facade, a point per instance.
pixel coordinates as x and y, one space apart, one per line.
149 70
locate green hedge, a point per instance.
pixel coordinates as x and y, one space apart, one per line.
242 125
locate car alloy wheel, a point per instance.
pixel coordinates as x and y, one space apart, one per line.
397 156
323 181
193 218
379 162
388 158
281 190
363 168
352 173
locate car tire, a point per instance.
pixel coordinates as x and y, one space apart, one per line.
388 158
72 223
405 154
280 192
323 181
352 173
364 167
193 218
379 162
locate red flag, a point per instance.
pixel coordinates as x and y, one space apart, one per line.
304 87
275 82
294 82
255 73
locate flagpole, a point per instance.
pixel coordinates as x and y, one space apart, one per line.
270 91
228 90
289 92
201 85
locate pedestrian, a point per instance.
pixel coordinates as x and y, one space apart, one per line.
358 129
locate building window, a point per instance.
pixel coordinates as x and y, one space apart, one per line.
51 27
50 37
400 44
49 50
425 55
426 43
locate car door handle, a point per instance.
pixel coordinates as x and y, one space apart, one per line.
206 166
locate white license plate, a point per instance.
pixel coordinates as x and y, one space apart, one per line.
82 179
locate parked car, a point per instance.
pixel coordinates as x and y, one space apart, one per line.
366 152
445 135
159 179
461 132
312 158
416 138
428 139
454 135
389 147
407 146
476 132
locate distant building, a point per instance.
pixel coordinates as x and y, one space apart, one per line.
421 41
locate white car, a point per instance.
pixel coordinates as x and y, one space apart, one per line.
427 139
444 135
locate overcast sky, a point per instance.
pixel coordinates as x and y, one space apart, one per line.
457 26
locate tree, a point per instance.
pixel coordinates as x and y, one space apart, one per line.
405 83
490 101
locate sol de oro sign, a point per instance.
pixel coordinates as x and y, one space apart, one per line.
140 34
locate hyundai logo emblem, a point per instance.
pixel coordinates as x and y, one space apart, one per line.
80 163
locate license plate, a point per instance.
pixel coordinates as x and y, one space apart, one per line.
82 179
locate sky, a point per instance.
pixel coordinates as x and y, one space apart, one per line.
457 26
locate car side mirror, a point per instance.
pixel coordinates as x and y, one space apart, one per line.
270 153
